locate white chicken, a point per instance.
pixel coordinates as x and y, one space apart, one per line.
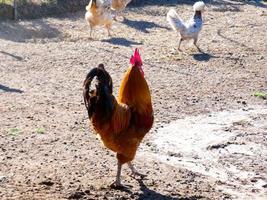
190 29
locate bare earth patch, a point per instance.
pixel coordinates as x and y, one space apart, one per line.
47 150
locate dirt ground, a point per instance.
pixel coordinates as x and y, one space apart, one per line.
47 150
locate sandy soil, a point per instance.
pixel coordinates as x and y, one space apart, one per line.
47 150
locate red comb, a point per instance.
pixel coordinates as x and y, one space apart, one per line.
136 59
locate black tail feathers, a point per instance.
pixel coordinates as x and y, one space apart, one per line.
101 95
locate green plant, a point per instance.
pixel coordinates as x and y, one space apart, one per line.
261 95
40 130
14 131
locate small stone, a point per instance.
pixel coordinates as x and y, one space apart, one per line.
2 178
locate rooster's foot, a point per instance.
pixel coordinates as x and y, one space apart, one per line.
116 185
135 172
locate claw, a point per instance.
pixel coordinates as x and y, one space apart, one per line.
116 185
135 172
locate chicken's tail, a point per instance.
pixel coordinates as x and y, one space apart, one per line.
101 96
174 20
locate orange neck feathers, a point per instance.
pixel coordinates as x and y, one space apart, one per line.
134 90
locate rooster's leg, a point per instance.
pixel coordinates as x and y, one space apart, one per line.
134 171
117 183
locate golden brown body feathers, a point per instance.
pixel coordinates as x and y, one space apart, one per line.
131 118
98 15
122 123
119 5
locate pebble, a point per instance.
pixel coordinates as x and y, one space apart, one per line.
2 178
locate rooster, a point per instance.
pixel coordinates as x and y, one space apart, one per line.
121 123
98 13
188 30
119 6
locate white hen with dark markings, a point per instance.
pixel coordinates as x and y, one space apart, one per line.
190 29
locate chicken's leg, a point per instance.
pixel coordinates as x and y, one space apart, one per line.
108 26
181 39
134 171
122 15
118 14
91 31
117 183
195 43
115 16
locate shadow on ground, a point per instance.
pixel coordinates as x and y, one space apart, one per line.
143 26
121 42
19 58
160 2
144 193
151 194
191 2
203 56
233 4
19 32
8 89
219 33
